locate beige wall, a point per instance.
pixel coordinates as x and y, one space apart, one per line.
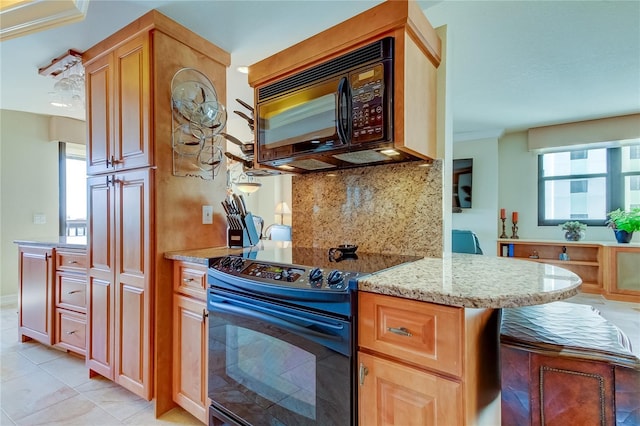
28 185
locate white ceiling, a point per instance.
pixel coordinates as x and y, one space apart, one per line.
515 64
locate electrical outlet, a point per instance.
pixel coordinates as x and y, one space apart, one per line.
207 215
39 218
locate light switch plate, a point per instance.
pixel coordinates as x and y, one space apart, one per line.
207 215
39 218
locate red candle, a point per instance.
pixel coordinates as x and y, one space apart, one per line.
503 214
514 217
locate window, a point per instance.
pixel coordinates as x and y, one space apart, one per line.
73 190
585 184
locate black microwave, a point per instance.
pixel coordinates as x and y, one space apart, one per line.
336 114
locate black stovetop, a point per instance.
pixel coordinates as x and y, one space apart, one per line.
359 262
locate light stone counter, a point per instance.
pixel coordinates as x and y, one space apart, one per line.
54 242
467 280
475 281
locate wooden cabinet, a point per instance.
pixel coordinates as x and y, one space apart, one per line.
584 259
36 306
190 339
118 87
138 209
120 303
622 272
426 364
417 53
71 300
610 269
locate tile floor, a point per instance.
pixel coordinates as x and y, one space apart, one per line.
44 386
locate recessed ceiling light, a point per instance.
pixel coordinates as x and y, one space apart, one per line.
243 69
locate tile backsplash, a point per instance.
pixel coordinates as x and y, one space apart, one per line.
395 208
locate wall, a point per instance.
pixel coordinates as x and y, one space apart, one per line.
518 190
481 218
28 185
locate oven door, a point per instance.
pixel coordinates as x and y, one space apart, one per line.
312 119
276 365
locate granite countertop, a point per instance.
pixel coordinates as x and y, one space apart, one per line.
55 242
465 280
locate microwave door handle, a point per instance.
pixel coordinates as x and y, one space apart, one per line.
344 96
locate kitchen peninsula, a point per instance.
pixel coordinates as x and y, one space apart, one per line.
429 331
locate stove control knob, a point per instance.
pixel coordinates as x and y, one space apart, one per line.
335 279
315 276
237 264
225 262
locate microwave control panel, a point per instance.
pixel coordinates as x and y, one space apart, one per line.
367 88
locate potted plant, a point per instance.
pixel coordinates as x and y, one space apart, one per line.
624 223
574 230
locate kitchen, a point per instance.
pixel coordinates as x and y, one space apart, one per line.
493 209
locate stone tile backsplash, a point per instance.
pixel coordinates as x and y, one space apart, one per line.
395 208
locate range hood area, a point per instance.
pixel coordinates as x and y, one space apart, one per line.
400 126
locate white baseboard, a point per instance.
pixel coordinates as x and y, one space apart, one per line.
10 300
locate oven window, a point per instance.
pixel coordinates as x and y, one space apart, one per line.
275 370
262 374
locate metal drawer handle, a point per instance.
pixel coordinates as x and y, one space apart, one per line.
71 332
187 280
72 262
205 315
363 372
400 331
74 291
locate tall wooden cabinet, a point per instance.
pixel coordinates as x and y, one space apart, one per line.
36 307
137 209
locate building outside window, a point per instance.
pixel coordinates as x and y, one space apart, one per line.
73 190
585 184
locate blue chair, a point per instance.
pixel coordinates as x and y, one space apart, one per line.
464 241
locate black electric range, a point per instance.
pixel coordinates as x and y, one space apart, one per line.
319 277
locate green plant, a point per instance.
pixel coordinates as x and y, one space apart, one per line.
624 220
573 226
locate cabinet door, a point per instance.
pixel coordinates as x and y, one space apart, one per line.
132 278
190 355
391 393
99 83
101 259
36 294
132 99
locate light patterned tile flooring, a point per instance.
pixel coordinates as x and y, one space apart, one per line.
44 386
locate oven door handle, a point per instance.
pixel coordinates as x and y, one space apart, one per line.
233 309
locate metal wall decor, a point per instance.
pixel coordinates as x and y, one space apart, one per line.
198 119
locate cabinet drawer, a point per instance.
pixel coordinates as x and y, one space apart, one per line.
71 292
71 331
71 260
191 279
421 333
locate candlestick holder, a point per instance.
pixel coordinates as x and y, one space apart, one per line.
514 231
504 234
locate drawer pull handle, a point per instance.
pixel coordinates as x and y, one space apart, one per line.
205 314
400 331
71 332
187 280
72 262
73 291
363 372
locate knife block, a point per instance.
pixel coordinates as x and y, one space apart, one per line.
238 238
